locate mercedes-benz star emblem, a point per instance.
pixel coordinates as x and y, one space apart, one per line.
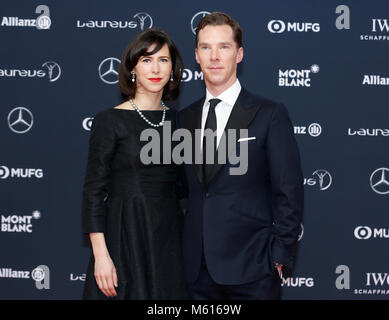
196 19
108 70
20 120
379 181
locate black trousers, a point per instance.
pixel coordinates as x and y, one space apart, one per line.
205 288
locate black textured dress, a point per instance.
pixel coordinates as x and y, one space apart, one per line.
141 218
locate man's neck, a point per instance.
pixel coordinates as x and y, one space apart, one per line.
219 89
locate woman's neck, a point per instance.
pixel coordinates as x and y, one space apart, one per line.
149 101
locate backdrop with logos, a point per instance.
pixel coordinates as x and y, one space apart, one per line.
325 60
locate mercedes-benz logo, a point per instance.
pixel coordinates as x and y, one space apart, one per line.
379 181
196 19
325 179
108 70
20 120
54 70
143 16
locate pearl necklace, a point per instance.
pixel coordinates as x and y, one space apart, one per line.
147 120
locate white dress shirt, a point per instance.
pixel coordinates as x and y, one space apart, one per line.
222 110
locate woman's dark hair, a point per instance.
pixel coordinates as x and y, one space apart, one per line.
137 48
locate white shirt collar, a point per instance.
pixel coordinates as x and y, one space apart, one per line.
228 96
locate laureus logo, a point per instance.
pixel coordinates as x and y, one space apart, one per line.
53 70
145 20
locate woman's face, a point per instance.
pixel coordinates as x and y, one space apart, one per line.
153 72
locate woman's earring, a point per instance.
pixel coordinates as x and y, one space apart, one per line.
171 77
133 76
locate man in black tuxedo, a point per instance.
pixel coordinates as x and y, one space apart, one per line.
241 231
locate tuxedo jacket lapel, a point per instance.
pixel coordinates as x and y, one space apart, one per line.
193 122
243 112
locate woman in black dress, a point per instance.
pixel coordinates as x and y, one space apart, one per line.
130 209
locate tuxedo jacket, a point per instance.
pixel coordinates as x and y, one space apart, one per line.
244 223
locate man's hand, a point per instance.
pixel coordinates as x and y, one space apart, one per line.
279 268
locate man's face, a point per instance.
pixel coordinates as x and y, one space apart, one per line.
218 55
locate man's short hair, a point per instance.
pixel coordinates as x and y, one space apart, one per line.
219 19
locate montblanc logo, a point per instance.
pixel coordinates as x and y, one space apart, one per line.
15 223
375 80
296 77
42 22
321 177
314 130
365 232
87 124
6 172
379 31
279 26
189 75
196 19
52 71
367 132
379 181
142 20
298 282
108 70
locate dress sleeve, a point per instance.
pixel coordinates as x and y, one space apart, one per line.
101 149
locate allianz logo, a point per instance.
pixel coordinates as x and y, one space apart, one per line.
298 282
368 132
314 129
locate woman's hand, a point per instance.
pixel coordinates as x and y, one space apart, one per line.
105 275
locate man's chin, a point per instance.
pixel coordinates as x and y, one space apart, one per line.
215 81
